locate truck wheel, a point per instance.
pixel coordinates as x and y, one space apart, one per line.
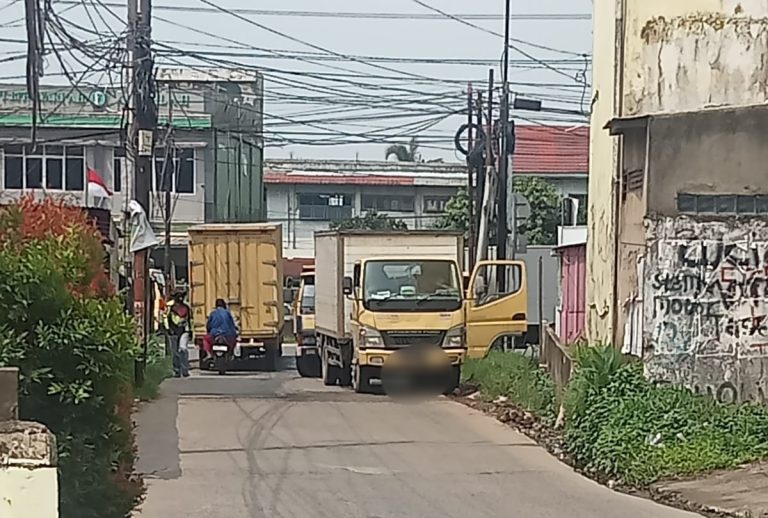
330 372
271 358
362 380
345 376
308 366
454 380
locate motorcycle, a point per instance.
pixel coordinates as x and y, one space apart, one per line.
222 354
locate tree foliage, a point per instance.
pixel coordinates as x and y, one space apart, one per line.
456 216
545 202
403 153
75 348
371 221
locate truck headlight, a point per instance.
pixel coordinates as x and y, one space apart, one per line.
370 337
454 338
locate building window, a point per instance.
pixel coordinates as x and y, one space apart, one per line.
179 177
118 161
324 207
435 204
387 203
725 204
46 167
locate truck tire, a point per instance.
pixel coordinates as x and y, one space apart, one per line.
362 380
345 376
271 358
308 366
330 372
454 380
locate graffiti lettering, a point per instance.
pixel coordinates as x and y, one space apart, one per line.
666 306
727 392
751 326
715 254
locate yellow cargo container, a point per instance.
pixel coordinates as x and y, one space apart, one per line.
242 264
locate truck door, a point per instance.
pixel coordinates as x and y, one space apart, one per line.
495 309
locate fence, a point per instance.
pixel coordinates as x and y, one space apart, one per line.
555 358
28 477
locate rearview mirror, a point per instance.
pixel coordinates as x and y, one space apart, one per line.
346 286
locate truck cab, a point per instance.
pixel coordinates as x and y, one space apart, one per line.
307 357
413 302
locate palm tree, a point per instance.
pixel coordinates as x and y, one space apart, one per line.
403 153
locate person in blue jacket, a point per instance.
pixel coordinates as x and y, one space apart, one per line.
220 323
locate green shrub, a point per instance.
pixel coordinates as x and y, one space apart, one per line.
516 377
639 432
159 368
75 349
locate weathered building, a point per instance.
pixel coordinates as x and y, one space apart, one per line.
217 158
693 254
677 201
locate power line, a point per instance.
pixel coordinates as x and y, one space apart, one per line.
524 53
357 15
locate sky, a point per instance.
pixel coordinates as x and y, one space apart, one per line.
346 87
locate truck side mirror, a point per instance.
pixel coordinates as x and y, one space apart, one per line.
347 286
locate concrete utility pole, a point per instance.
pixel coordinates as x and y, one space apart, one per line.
168 184
142 139
470 183
504 183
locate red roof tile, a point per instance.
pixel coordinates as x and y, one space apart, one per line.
551 150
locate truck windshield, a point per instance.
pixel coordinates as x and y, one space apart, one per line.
308 299
413 285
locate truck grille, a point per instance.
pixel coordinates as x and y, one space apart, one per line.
411 338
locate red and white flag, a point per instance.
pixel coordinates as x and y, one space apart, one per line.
97 187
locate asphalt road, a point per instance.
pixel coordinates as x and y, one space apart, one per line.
278 446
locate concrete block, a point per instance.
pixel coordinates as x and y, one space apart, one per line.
28 477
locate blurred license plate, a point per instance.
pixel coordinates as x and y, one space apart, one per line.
220 348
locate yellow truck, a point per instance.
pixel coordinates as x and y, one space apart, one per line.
307 357
377 293
242 264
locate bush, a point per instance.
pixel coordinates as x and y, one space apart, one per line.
75 348
630 429
516 377
620 425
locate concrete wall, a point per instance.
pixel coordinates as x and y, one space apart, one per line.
710 152
28 478
603 153
688 54
654 56
706 305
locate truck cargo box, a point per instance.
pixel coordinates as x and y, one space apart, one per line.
337 252
241 264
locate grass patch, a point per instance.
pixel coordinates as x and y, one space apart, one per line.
516 377
622 427
159 368
639 432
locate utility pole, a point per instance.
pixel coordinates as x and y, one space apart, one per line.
142 140
504 183
486 208
470 183
168 183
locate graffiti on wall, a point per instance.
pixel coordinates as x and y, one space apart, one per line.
706 306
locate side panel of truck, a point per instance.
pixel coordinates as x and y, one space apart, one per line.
241 264
336 255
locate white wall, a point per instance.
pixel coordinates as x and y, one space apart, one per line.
298 235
